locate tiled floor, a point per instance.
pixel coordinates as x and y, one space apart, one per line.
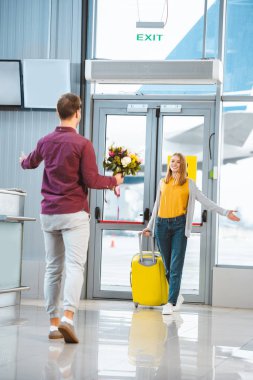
117 342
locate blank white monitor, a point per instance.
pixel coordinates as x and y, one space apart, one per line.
44 81
10 83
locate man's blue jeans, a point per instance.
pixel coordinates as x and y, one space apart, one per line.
171 241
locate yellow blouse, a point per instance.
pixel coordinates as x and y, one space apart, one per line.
174 199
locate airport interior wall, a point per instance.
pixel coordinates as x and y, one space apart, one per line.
34 29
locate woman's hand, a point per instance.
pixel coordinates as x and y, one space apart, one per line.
146 232
232 216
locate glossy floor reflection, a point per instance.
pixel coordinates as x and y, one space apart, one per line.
118 342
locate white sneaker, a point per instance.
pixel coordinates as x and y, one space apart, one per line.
167 309
180 300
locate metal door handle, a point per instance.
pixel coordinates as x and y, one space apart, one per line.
204 216
97 213
146 214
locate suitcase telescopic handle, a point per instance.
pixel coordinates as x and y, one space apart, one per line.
140 247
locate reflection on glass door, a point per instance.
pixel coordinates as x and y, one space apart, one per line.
185 134
129 132
118 246
120 218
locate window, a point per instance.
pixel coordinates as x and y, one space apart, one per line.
236 239
181 38
118 37
238 47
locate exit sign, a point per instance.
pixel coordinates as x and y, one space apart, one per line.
148 37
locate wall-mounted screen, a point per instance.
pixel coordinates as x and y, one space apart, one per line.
10 83
45 80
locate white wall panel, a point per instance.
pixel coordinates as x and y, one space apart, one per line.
34 29
233 287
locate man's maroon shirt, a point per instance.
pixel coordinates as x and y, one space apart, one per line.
70 168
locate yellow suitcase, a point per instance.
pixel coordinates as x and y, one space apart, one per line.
148 280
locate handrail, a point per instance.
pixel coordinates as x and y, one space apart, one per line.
119 222
19 288
140 223
9 218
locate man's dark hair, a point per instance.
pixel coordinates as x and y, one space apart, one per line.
67 105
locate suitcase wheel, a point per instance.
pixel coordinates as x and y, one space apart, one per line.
136 304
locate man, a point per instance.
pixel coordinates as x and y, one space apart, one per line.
70 169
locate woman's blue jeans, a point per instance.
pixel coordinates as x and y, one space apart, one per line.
171 242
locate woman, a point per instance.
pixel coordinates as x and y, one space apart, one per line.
171 223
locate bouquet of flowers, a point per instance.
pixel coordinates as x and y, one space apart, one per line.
120 160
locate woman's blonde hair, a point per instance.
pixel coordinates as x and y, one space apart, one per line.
182 170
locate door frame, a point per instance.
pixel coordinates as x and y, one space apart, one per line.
193 106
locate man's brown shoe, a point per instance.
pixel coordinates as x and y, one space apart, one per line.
68 332
55 335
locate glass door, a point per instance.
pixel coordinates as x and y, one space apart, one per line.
115 221
189 133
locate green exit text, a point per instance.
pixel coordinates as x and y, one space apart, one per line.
149 37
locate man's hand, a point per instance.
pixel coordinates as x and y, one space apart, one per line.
22 157
119 178
232 216
146 232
